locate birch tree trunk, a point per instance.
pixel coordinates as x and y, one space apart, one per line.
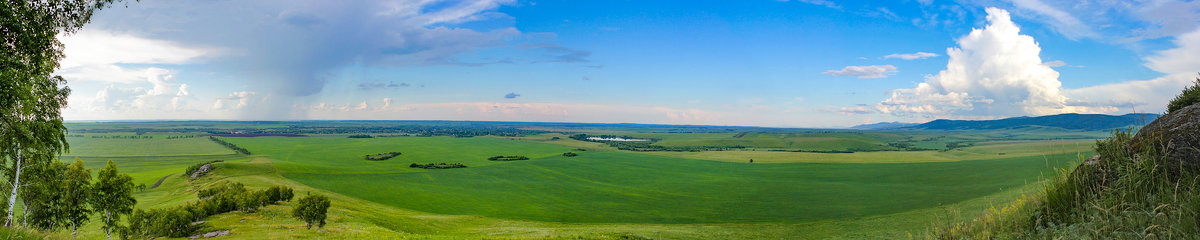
16 185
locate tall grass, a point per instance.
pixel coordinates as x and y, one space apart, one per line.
1129 194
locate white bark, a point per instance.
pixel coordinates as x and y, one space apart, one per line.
16 185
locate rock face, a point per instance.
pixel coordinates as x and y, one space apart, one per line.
1177 135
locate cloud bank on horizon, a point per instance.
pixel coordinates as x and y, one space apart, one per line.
768 63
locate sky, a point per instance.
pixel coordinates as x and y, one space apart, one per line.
806 63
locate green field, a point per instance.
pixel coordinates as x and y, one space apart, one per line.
602 193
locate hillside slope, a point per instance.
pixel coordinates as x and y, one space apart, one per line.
1072 121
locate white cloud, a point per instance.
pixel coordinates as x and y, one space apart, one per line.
1055 63
163 95
1180 64
241 98
911 56
995 72
1185 58
95 55
863 72
1063 22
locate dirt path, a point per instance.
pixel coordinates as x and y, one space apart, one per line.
164 178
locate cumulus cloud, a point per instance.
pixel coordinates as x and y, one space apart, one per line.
911 56
511 95
863 72
995 72
235 100
98 55
164 94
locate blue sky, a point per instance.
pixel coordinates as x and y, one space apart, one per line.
808 63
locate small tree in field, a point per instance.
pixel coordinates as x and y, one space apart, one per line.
76 193
113 197
311 209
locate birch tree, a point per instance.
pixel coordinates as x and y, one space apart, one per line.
31 97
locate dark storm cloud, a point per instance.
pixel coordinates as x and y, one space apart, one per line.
289 50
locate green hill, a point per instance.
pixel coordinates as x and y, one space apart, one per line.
1071 121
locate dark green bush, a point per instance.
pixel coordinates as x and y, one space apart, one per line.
1189 96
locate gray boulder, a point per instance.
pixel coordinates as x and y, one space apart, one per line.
1177 136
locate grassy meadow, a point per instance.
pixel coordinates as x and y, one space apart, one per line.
602 193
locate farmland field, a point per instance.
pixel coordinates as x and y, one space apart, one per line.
600 193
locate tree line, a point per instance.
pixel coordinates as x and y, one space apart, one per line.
229 145
437 165
507 158
216 199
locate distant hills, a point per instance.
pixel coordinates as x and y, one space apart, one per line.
884 125
1072 121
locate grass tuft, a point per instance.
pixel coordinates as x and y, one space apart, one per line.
1127 194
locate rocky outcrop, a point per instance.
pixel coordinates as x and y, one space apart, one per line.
202 170
1176 136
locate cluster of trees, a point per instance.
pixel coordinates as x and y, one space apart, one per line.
508 158
229 145
953 145
121 137
196 167
32 134
908 146
216 199
437 165
569 154
180 137
360 136
382 156
64 196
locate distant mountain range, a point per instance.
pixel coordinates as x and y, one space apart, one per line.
884 125
1071 121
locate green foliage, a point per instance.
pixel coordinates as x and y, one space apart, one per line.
1189 96
1126 195
217 199
229 145
44 203
113 196
311 209
360 136
166 222
569 154
76 196
31 97
381 156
